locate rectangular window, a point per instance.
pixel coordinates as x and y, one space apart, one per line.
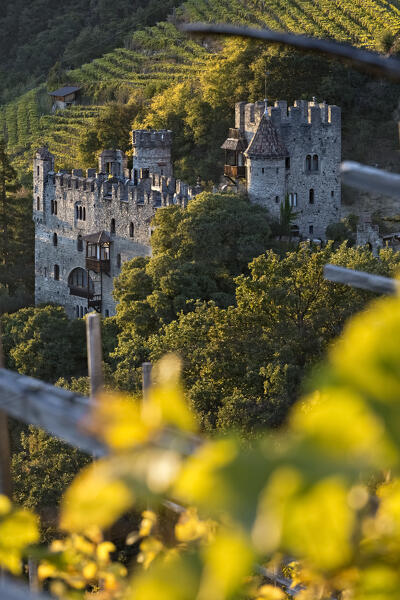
287 162
262 171
311 229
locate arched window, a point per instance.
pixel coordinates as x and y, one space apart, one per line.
55 207
80 213
38 203
311 229
118 261
38 171
52 207
80 243
56 272
315 163
77 211
131 229
112 227
308 163
77 312
80 284
84 213
55 239
312 196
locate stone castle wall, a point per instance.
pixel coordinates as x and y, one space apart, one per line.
308 129
69 206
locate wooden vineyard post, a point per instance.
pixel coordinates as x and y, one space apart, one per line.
146 379
5 454
94 352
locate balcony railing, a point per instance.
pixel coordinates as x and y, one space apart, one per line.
97 265
234 171
95 302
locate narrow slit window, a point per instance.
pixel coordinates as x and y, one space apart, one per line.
56 272
312 196
55 239
112 227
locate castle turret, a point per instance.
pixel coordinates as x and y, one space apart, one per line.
152 152
290 152
43 164
112 162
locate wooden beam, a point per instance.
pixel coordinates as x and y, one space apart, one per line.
58 411
5 452
370 179
364 281
95 353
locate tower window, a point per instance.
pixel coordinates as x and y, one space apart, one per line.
262 170
118 261
84 213
332 194
315 163
131 229
38 203
287 162
308 163
80 243
112 227
311 229
312 196
276 199
56 272
293 200
55 239
107 313
77 312
38 171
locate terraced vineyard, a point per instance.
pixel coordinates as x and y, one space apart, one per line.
162 55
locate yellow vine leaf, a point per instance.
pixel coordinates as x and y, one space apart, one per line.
95 498
339 421
228 560
18 530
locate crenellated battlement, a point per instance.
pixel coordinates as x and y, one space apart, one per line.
303 112
147 138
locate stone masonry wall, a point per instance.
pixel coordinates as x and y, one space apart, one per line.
307 129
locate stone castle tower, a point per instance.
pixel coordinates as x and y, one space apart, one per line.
87 225
293 153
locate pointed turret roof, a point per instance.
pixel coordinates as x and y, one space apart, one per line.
266 142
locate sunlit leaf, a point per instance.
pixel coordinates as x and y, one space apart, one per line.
18 530
95 498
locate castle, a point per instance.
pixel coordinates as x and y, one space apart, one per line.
294 154
86 227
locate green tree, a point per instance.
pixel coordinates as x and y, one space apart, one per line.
243 366
197 253
43 343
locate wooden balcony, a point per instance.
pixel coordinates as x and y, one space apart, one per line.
235 172
95 302
97 265
81 292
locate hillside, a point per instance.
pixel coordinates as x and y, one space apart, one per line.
155 60
43 36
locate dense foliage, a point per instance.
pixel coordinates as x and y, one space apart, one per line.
16 239
324 492
243 366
